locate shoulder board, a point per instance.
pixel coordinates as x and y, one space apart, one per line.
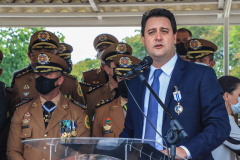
18 105
103 103
95 88
85 84
90 70
23 73
79 104
9 89
69 75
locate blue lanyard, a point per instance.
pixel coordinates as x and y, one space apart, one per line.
49 110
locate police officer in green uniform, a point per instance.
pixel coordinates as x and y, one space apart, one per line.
108 90
95 77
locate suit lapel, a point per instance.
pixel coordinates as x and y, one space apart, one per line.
177 74
116 113
58 114
37 113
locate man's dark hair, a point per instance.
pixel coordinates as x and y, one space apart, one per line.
158 12
185 30
229 83
108 63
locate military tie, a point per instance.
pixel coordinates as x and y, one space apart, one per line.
48 107
152 113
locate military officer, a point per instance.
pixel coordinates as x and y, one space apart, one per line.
50 115
201 51
95 77
108 90
110 114
24 87
64 52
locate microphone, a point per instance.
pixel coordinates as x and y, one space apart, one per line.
146 62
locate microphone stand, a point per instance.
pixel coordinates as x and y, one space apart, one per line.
176 132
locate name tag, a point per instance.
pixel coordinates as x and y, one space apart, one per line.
27 126
105 132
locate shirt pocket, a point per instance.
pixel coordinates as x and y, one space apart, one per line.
25 135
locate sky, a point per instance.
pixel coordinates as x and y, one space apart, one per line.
81 38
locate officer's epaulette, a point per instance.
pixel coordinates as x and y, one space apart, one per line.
23 73
85 84
93 89
24 102
79 104
103 102
69 75
92 69
9 89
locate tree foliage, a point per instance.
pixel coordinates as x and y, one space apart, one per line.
14 45
84 65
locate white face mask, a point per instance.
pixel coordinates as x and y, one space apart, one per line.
236 107
203 64
99 54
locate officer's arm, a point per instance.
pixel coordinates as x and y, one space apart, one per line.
15 146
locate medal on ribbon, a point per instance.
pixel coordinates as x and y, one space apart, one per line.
177 96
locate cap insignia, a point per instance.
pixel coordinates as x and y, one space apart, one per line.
102 37
121 48
62 48
195 44
43 36
43 59
125 62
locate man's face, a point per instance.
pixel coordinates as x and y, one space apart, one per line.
205 60
159 39
109 70
183 37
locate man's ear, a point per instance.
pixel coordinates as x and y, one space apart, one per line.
106 69
60 80
142 39
212 63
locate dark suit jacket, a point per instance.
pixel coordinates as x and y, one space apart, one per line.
204 115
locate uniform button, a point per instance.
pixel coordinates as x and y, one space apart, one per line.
43 159
45 135
25 134
45 148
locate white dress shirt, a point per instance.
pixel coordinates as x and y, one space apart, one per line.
164 80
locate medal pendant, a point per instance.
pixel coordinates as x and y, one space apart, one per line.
74 133
178 109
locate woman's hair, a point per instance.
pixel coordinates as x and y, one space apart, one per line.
229 83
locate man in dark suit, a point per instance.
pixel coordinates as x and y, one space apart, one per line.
200 109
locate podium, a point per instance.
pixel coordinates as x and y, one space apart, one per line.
95 148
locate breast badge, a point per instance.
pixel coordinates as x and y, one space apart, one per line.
177 96
26 118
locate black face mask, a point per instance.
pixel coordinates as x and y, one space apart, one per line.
180 49
122 88
45 85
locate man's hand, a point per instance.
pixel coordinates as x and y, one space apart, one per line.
179 151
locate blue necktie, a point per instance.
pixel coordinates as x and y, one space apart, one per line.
48 107
152 113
